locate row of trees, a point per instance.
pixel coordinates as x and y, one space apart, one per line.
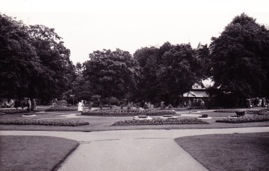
35 63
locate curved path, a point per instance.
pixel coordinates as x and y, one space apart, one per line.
132 149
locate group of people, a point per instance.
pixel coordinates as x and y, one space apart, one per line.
258 102
26 102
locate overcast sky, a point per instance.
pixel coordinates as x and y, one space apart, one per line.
89 25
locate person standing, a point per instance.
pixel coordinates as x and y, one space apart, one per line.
33 105
80 106
29 104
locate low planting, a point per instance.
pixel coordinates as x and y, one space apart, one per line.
61 108
245 119
169 121
13 111
263 112
227 110
122 112
46 122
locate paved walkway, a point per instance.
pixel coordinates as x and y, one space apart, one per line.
136 150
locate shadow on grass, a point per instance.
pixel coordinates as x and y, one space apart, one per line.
229 151
34 152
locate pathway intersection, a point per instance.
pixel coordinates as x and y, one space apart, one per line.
132 149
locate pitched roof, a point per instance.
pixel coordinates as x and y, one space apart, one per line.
196 93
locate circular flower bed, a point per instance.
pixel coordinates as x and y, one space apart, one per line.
55 122
254 118
170 121
121 112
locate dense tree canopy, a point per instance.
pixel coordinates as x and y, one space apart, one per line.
112 73
168 72
34 62
58 71
240 58
18 58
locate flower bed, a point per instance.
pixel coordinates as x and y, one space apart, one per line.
227 110
48 122
169 121
61 108
263 112
254 118
121 112
13 111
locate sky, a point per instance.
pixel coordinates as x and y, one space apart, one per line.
89 25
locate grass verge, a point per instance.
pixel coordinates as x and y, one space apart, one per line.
229 152
34 152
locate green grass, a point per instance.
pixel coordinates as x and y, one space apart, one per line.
229 152
34 152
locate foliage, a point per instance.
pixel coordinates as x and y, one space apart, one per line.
19 61
61 108
34 62
122 112
46 122
240 58
112 73
58 69
160 122
245 119
13 111
168 71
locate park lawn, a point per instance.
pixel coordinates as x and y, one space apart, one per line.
229 151
34 152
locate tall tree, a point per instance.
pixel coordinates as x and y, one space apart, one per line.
240 58
19 62
34 62
178 71
203 57
112 73
58 70
147 58
167 72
